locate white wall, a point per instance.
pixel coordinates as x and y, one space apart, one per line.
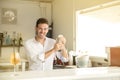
63 20
27 14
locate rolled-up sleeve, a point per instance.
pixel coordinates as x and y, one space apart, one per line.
63 59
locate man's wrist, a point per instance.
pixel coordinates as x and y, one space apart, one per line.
53 50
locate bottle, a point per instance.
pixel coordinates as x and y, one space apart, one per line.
4 37
8 40
20 41
14 40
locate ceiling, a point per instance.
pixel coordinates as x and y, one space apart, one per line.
109 12
40 0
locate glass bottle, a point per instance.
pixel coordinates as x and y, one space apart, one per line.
8 40
4 37
20 40
14 38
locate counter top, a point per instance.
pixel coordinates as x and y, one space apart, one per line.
64 74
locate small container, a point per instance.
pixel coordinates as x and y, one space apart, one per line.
58 40
82 61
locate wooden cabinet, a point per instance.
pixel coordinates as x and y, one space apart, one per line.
113 56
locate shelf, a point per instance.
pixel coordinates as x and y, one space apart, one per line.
11 45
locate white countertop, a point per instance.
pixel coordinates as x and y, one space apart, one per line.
64 74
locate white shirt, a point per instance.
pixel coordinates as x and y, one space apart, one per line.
36 53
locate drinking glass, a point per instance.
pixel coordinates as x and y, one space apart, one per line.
15 59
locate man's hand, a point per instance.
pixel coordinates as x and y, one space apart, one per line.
57 46
61 39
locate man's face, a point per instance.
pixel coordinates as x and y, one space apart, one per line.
42 30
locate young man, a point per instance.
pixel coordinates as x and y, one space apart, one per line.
42 50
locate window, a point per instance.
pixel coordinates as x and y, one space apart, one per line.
97 30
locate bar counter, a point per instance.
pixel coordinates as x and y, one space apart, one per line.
93 73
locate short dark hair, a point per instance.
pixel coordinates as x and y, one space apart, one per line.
41 21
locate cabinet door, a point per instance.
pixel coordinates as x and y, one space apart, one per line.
114 56
45 11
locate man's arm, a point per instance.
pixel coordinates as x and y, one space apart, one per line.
56 47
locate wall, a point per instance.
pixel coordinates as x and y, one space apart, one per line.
27 14
64 17
63 20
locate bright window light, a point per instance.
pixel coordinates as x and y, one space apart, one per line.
94 35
